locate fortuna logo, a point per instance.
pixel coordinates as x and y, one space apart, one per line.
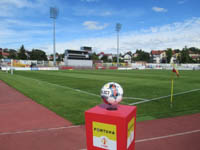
104 142
104 131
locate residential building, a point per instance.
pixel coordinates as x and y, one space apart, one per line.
127 58
194 56
158 56
109 56
3 53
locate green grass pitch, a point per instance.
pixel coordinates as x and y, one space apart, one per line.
70 93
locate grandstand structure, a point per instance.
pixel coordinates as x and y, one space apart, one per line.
78 58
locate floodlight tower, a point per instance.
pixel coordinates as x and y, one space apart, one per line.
54 15
118 28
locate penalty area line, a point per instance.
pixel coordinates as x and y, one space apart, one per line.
62 86
81 91
158 98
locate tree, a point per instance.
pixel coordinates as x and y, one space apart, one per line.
22 53
142 56
94 56
58 57
169 54
194 50
12 54
105 58
185 58
1 56
37 54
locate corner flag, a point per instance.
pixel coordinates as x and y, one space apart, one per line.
172 84
176 71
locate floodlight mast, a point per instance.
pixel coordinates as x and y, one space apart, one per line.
118 28
54 15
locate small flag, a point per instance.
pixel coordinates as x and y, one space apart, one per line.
176 71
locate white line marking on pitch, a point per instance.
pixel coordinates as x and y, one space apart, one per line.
62 86
167 136
142 99
81 91
37 130
158 98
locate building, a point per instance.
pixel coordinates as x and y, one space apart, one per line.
194 56
158 56
175 56
127 58
102 54
86 48
78 58
4 54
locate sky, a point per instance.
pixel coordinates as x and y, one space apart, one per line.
146 24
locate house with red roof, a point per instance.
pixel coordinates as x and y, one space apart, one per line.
158 56
109 56
4 54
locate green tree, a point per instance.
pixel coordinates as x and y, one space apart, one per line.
185 58
58 57
105 58
194 50
12 54
37 54
22 53
169 54
94 56
142 56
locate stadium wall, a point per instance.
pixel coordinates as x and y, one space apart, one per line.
166 66
79 63
29 68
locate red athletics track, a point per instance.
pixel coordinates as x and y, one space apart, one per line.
25 125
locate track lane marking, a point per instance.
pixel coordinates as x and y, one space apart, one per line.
164 137
167 136
37 130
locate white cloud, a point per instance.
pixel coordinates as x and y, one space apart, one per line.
14 33
84 11
182 1
159 9
16 3
28 24
175 35
89 1
10 8
93 25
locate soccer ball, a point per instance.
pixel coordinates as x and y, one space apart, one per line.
112 93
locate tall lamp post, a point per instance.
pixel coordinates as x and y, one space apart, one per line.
118 28
54 15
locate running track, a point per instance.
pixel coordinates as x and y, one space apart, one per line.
26 125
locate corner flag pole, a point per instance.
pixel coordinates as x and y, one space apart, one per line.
172 87
172 91
11 69
172 84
